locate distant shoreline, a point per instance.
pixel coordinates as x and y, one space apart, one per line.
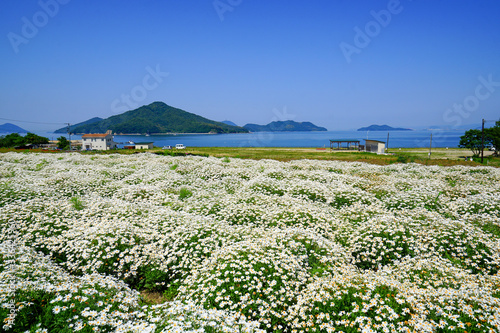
144 134
126 134
418 138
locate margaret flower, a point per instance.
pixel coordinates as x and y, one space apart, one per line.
245 244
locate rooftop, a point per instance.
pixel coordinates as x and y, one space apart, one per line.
344 140
94 135
374 141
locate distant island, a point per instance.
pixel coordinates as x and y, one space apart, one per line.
284 126
228 122
382 128
72 127
11 128
156 117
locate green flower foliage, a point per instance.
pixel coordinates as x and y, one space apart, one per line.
246 246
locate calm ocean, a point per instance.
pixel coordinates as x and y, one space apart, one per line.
403 139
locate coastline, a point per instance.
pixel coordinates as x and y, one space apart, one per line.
317 139
162 134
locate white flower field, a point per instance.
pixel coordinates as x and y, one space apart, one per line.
246 246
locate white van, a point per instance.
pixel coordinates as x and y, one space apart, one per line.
180 146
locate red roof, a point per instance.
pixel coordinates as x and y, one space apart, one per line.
94 135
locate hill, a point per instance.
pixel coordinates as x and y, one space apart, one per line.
11 128
72 127
228 122
382 128
284 126
157 117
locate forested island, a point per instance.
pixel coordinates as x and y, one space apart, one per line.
11 128
156 117
382 128
284 126
160 118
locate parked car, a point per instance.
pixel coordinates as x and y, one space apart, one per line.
167 147
492 148
180 146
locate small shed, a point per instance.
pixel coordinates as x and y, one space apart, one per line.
144 145
375 146
344 144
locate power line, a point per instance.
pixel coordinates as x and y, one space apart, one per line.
33 122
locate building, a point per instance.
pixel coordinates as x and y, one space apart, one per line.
98 141
375 146
144 145
344 144
28 146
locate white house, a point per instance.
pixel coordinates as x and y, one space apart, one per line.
144 145
98 141
375 146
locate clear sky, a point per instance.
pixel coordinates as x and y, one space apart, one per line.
341 64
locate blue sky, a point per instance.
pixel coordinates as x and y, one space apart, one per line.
341 64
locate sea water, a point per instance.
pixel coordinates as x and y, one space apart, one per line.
402 139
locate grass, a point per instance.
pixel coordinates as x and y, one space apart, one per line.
77 203
185 193
439 156
152 297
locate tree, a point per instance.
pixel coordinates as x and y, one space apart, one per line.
12 140
15 140
472 139
35 139
62 143
493 133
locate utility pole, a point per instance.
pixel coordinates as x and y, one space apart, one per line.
482 142
387 144
69 135
430 147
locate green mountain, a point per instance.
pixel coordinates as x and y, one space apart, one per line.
72 127
228 122
382 128
11 128
284 126
157 117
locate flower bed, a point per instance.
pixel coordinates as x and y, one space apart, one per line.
244 246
